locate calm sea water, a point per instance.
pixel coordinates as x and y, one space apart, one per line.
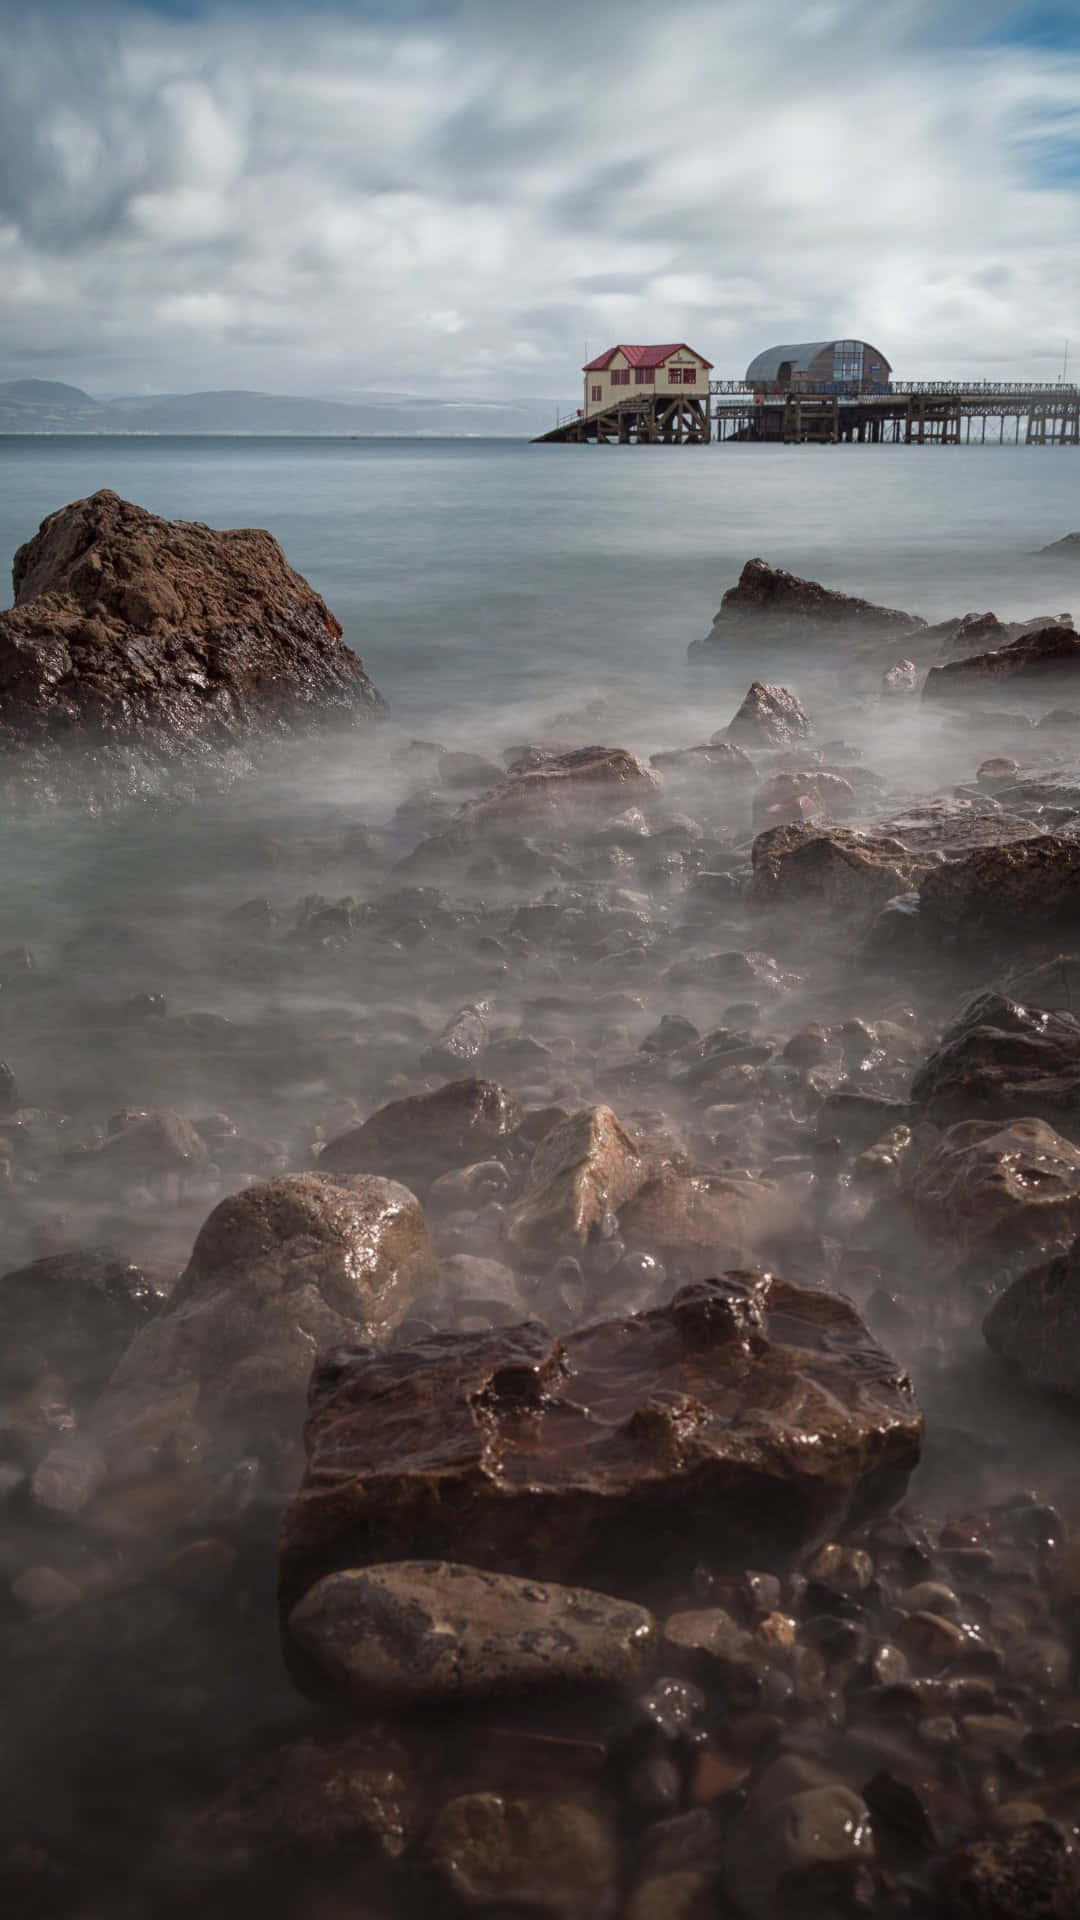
481 573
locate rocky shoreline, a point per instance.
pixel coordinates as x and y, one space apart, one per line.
496 1411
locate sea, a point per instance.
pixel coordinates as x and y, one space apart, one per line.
477 575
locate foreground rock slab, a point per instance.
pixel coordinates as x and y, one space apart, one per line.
131 628
747 1416
429 1632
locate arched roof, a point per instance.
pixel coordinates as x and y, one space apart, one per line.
766 366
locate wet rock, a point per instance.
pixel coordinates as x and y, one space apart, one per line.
837 870
1009 1186
468 770
607 777
673 1033
1053 652
9 1090
428 1632
418 1138
1035 1323
72 1315
710 1219
1004 891
719 759
1029 1875
901 678
583 1170
550 1457
803 796
997 772
769 717
164 631
775 604
312 1798
1053 984
801 1849
1001 1059
538 1852
460 1043
279 1270
154 1143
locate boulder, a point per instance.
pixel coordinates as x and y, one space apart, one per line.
1002 1060
710 1219
1007 1186
418 1138
160 632
1035 1323
429 1633
583 1170
778 604
1052 651
154 1143
1010 891
769 717
684 1428
278 1271
834 870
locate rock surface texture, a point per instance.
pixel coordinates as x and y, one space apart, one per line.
1051 652
128 628
429 1631
1035 1323
1002 1060
549 1458
768 717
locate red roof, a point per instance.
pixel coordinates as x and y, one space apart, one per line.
641 356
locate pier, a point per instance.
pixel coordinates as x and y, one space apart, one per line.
903 413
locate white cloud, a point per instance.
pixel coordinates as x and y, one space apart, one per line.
299 200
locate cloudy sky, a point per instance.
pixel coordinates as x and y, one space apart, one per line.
455 196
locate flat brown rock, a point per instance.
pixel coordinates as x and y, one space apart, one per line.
749 1416
129 628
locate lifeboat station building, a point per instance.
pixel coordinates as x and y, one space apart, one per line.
820 366
635 394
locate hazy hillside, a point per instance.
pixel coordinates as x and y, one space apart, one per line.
48 406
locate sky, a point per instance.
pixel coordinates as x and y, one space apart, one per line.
459 197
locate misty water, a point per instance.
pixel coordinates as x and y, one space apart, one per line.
276 958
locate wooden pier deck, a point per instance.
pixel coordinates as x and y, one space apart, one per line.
907 413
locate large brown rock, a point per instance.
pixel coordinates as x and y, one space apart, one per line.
583 1169
1006 1186
159 632
278 1271
1011 891
834 869
1052 652
613 1456
418 1138
1002 1060
778 604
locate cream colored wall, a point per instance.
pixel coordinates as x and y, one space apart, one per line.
610 394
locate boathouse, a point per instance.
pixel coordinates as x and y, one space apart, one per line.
674 372
820 366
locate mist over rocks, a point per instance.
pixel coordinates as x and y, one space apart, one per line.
129 631
774 604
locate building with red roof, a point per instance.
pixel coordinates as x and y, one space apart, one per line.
673 370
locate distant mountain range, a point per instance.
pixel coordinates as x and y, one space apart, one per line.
48 406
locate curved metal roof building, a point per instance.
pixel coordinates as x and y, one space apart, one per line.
813 362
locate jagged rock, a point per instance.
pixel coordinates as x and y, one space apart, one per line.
277 1271
418 1138
768 717
1003 1060
156 1143
555 1458
430 1632
777 604
711 1219
536 1853
583 1170
835 870
461 1041
1068 547
1035 1323
1010 890
72 1315
1012 1185
1036 656
135 629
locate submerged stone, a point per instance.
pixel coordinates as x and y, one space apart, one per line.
1035 1323
431 1632
748 1416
